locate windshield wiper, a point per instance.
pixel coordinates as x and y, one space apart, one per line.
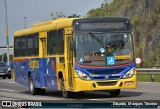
97 39
114 43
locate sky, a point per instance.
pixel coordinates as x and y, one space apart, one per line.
38 11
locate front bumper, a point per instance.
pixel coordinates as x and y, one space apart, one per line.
83 85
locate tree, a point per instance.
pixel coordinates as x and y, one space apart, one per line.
3 57
55 15
74 16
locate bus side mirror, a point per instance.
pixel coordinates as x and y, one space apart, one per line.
72 46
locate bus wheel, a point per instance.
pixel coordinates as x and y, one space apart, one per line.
42 91
33 90
9 77
115 93
65 94
4 77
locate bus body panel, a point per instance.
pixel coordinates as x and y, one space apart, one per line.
20 70
114 80
43 72
51 77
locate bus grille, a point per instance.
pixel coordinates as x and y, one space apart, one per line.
113 83
112 71
110 78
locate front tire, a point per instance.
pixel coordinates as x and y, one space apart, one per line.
65 93
115 93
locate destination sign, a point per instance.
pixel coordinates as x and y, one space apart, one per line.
105 25
102 25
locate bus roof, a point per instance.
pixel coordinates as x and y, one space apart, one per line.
59 23
49 25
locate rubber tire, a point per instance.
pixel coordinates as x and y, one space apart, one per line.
115 93
33 90
41 91
4 77
65 94
9 77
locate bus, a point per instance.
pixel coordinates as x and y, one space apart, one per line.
74 55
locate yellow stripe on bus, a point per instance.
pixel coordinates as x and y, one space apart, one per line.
123 57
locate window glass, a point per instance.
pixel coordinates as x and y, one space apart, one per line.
22 51
61 41
52 42
36 44
16 46
30 45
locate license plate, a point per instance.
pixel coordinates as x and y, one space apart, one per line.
129 83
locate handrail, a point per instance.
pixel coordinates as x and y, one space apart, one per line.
153 70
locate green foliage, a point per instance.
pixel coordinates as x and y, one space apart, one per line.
3 57
74 16
147 78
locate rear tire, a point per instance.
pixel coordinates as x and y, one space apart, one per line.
33 90
41 91
65 93
115 93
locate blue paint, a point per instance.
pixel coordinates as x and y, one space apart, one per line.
113 73
44 76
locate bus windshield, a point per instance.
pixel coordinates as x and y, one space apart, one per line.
94 49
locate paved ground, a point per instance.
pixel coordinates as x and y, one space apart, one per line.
10 90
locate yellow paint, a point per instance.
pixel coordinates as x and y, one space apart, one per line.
43 34
123 57
33 64
46 26
83 85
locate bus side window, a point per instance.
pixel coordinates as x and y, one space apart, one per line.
36 44
61 41
16 46
23 46
30 45
52 42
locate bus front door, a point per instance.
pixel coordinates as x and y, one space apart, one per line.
70 63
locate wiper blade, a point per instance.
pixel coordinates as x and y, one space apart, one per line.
97 39
114 43
115 38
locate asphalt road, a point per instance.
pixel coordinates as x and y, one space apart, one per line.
145 91
10 90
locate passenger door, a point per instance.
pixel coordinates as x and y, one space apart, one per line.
42 60
70 62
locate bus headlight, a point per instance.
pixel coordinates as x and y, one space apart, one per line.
82 75
130 73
